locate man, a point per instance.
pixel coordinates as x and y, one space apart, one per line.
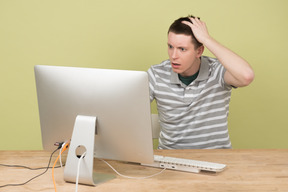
193 91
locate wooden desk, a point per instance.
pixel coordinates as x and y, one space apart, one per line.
247 170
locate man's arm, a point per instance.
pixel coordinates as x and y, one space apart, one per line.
238 71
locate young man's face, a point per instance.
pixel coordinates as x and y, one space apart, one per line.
185 60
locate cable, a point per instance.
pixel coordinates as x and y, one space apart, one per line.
60 152
33 177
132 177
78 171
25 167
63 148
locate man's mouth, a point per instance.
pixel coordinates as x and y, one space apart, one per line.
175 65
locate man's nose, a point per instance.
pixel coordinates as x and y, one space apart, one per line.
174 54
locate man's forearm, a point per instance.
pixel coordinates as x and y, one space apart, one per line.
238 71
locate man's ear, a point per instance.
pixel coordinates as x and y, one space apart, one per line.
200 51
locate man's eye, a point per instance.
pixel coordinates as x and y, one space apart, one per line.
182 49
170 46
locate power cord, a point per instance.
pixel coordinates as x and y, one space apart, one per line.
19 184
64 147
132 177
30 168
78 171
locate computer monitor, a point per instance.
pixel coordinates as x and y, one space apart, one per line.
119 99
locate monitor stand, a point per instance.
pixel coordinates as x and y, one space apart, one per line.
83 139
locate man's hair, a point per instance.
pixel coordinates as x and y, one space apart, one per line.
178 27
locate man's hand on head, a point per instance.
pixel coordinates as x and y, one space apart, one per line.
198 28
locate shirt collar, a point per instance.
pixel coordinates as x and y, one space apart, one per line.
204 69
203 72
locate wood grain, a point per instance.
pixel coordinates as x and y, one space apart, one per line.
247 170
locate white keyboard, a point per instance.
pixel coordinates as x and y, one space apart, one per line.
187 165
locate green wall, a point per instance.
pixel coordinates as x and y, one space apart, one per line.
131 34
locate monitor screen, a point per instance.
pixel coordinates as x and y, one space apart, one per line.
119 99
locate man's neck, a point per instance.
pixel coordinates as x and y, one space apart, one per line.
194 69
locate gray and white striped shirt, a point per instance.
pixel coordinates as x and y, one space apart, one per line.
193 116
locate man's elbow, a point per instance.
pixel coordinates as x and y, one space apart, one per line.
248 77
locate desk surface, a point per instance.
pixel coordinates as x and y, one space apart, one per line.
247 170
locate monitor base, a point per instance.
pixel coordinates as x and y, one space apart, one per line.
83 139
